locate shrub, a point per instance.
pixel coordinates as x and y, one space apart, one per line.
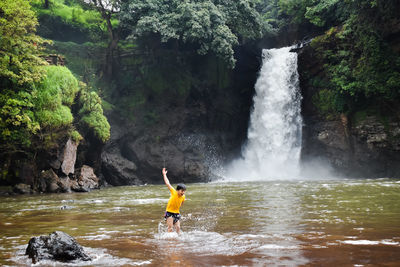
54 95
91 113
76 136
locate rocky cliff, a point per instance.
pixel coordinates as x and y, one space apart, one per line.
359 144
56 171
191 136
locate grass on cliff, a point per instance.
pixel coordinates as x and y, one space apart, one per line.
71 12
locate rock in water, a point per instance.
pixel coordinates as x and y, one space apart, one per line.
87 180
22 189
57 246
48 182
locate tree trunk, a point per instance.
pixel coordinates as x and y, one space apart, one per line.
113 35
46 4
112 45
109 67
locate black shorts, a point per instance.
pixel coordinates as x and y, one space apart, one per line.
176 216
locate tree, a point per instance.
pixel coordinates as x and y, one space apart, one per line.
361 68
19 45
20 67
107 9
215 26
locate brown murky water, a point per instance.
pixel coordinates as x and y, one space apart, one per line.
274 223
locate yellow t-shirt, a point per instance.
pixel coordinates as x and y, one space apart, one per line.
175 201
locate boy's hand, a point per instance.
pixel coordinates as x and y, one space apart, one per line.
164 172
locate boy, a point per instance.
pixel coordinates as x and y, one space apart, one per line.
174 203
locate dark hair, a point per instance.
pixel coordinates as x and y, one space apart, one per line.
181 186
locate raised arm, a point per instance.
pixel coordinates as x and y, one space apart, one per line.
166 181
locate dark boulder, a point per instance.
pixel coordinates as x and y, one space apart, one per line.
57 246
117 169
22 189
86 180
49 182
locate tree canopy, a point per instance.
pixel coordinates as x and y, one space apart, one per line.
19 45
215 26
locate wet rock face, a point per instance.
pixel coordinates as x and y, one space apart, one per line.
368 150
376 135
69 157
136 156
138 161
57 246
193 134
117 169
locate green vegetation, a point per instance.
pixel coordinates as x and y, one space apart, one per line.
76 136
209 26
71 12
59 87
360 67
288 13
144 57
92 116
326 102
17 121
69 20
37 101
55 95
20 68
20 46
53 98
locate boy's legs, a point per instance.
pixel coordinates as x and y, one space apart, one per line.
178 226
170 223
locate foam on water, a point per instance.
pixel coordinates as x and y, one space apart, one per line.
370 242
100 257
207 243
150 200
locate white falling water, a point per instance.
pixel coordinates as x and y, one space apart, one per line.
274 135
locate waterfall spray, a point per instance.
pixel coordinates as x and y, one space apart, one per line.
273 143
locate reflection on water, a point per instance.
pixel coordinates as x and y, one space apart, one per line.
351 222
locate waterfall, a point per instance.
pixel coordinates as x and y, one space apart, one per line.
273 143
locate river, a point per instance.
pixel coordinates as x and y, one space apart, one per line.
291 223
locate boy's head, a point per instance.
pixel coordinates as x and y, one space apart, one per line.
181 189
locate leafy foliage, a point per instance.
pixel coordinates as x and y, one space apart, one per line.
212 25
54 96
19 45
59 81
76 136
328 103
20 67
92 116
359 63
35 100
17 121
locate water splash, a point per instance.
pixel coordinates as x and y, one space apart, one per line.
274 135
